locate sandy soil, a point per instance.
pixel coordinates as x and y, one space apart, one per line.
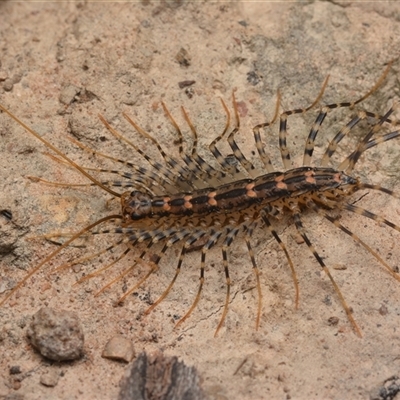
63 63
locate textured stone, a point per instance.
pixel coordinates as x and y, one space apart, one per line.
57 335
118 348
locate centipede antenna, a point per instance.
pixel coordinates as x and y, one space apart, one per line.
60 153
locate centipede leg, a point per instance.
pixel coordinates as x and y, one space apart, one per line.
246 164
227 242
210 243
291 265
300 228
227 168
197 173
249 232
366 213
209 171
356 238
257 137
189 241
56 252
285 154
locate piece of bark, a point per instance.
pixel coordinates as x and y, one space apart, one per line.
155 377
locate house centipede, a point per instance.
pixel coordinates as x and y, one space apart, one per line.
190 201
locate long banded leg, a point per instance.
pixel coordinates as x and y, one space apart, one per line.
365 213
300 229
213 239
196 170
157 237
152 178
246 164
384 138
257 137
176 237
349 163
82 260
356 238
285 155
208 169
284 248
372 143
309 147
321 116
230 237
89 257
228 168
105 268
189 242
126 272
180 169
333 144
156 165
249 231
55 253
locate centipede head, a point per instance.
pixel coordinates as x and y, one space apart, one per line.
135 205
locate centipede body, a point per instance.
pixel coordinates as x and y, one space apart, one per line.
179 204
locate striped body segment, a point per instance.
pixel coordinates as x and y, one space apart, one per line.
242 194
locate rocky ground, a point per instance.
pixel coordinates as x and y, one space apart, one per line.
61 64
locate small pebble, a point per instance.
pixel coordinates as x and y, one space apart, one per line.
333 321
8 85
383 310
184 84
120 349
50 378
68 94
15 370
183 57
57 335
